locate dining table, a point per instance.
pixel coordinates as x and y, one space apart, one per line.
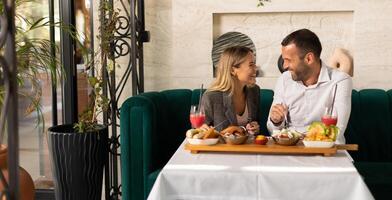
255 176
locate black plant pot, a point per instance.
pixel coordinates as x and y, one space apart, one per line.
77 161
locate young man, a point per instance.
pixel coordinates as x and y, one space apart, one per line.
307 88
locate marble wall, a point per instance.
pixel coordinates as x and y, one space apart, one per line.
182 32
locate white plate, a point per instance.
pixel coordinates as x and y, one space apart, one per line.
209 141
318 144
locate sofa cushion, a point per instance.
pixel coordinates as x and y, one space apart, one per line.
266 97
352 131
176 119
159 154
178 105
389 92
374 126
378 177
196 96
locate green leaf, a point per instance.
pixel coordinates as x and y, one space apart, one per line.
261 2
37 24
93 81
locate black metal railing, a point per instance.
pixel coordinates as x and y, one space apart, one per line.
128 39
9 114
128 42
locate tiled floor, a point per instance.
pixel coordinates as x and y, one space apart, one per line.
33 150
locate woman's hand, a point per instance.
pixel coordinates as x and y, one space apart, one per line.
253 127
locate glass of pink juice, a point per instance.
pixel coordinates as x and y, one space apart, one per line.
196 116
329 118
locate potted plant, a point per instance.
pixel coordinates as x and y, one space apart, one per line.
79 151
77 161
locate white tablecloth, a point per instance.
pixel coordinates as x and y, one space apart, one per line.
258 176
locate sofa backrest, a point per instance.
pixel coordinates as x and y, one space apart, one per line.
152 127
370 125
266 97
172 120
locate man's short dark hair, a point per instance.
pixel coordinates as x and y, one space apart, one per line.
305 40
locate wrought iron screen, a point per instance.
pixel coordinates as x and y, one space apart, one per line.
127 42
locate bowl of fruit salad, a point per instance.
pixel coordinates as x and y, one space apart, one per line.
320 135
286 137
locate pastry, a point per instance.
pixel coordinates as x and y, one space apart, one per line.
210 133
236 130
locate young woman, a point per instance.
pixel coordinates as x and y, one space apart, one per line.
233 98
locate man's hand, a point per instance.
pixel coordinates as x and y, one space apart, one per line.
278 111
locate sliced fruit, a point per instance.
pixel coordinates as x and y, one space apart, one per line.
261 140
333 132
318 127
260 137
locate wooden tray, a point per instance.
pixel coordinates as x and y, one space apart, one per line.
269 148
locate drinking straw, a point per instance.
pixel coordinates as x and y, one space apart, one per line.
201 93
333 99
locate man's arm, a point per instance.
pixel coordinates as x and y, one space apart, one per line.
343 106
278 98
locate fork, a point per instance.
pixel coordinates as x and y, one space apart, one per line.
221 123
287 120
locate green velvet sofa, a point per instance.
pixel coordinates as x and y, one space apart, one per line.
153 125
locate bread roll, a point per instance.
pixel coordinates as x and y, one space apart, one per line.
191 132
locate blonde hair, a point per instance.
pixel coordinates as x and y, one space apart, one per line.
231 57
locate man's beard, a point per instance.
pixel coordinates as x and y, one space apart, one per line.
302 72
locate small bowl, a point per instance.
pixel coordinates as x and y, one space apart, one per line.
286 141
261 142
318 144
209 141
236 140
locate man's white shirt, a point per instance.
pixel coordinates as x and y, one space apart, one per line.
307 104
